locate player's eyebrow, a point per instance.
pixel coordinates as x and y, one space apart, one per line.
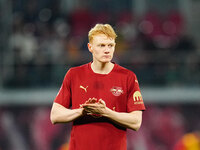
111 43
105 43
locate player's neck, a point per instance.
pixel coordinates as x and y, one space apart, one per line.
102 68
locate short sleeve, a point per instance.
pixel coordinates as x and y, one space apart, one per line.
64 95
135 100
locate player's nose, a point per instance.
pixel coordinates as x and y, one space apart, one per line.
107 50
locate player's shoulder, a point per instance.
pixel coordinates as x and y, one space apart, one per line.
77 69
125 71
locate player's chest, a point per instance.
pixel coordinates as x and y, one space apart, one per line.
109 89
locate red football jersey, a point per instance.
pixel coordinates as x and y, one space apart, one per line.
120 91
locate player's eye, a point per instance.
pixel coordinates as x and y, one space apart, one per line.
110 45
102 45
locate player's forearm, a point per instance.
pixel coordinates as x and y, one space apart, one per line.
60 114
128 120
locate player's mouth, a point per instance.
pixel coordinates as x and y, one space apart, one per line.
106 56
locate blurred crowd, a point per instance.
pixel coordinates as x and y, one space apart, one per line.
164 127
48 37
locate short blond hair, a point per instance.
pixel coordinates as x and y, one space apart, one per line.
102 29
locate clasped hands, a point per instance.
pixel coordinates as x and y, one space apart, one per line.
94 107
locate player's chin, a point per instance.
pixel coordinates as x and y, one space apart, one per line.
106 60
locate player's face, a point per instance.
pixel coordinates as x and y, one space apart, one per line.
102 48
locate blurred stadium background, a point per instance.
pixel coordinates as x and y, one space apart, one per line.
158 40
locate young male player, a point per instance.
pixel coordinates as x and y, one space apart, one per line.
101 98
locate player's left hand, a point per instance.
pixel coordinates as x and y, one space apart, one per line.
96 109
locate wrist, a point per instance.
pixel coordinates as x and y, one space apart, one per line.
79 111
107 112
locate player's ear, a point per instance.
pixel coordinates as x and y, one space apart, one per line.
90 47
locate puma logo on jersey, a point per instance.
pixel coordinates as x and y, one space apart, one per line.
85 89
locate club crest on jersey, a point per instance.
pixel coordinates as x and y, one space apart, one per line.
116 91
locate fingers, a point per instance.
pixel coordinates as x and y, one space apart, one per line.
91 101
93 106
94 100
90 111
102 102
